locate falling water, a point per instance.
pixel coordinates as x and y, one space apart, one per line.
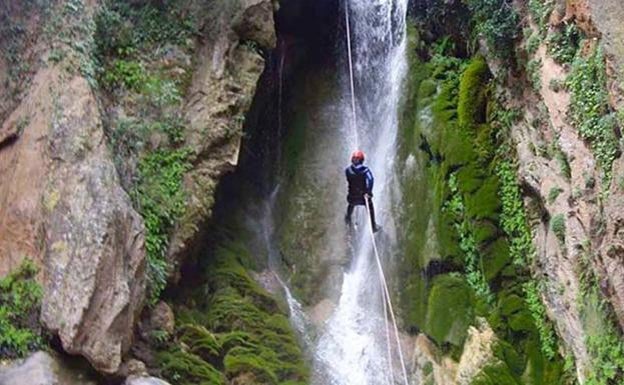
351 348
352 345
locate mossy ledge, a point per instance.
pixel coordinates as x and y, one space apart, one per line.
466 246
230 330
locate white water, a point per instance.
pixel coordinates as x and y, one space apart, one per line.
352 346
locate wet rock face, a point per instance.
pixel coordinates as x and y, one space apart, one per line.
44 368
229 64
133 380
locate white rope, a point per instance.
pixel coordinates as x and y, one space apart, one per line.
351 81
388 345
387 292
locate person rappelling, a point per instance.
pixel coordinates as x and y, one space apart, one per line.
360 191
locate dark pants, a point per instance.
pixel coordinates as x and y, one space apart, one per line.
351 207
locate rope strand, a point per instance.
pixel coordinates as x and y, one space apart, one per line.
351 77
387 303
387 294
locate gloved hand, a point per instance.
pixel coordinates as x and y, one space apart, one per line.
368 195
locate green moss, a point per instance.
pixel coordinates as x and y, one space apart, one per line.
20 297
428 88
495 374
471 106
496 257
450 310
236 328
185 368
465 213
464 229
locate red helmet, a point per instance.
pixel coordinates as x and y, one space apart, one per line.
357 157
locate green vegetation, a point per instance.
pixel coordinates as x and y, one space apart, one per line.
589 108
540 12
532 41
128 73
498 22
235 331
125 29
557 225
603 336
534 72
451 310
513 216
562 159
467 233
467 243
553 194
563 43
538 311
471 105
147 142
160 198
20 297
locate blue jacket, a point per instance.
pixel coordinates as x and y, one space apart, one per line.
360 180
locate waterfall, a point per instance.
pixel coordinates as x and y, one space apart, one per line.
351 348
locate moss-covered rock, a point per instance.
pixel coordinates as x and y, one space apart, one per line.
464 201
471 107
450 310
235 332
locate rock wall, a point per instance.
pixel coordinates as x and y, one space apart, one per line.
556 69
68 196
63 206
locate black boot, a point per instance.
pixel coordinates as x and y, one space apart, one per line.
348 214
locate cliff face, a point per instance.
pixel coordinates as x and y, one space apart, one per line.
550 90
86 119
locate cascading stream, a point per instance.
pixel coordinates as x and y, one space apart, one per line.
355 345
352 348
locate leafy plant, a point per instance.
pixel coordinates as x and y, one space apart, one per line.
540 12
498 22
513 217
538 312
20 297
534 68
127 73
563 43
554 193
533 42
589 108
467 243
557 225
604 339
160 198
